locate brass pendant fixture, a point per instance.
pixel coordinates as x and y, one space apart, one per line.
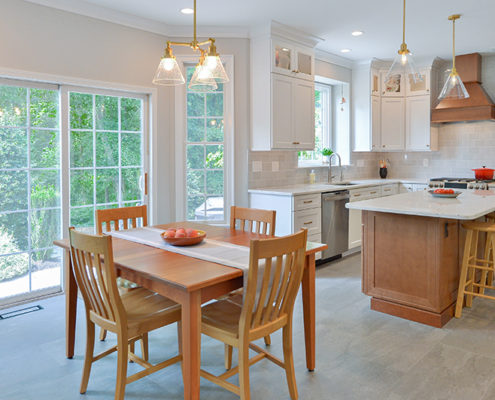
403 61
453 87
209 70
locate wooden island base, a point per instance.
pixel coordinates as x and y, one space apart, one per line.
411 266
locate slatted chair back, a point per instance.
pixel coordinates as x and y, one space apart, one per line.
270 300
257 221
112 217
92 261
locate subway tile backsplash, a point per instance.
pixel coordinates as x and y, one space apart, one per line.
462 147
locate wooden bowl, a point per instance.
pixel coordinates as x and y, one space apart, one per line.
184 241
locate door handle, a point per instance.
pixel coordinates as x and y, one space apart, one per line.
145 183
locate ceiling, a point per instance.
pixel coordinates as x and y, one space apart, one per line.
428 32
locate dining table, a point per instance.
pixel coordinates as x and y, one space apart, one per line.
190 282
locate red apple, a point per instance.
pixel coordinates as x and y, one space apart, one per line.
180 230
169 234
171 230
180 234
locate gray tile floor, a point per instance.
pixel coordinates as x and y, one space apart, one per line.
361 354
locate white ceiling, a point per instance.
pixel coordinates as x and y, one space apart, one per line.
428 32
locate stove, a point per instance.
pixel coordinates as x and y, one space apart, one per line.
459 183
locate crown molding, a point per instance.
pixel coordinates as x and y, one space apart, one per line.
331 58
275 28
86 9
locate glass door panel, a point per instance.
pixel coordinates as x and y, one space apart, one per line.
304 62
106 155
30 209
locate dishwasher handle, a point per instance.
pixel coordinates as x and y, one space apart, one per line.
333 196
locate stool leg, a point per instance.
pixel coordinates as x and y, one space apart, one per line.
489 256
472 271
464 270
486 256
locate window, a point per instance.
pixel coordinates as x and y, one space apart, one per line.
205 144
322 125
104 165
106 155
30 209
332 123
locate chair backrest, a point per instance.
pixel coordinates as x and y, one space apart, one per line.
263 221
124 214
92 262
272 297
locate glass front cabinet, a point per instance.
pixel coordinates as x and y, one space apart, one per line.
292 60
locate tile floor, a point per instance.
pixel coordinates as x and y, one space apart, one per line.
361 354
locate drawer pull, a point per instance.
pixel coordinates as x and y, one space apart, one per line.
356 195
307 201
387 190
372 192
307 223
296 143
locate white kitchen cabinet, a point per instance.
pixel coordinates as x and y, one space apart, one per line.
420 135
355 215
282 89
394 86
375 82
412 187
390 189
375 122
292 60
392 123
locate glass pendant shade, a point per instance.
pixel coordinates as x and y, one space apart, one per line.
202 80
168 73
404 64
453 88
214 64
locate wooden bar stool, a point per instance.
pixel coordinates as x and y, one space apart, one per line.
489 218
471 264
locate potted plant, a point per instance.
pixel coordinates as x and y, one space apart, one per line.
326 153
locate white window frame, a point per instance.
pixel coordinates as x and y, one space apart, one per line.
66 84
181 136
327 125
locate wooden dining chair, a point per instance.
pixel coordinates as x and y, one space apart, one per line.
258 221
113 219
267 307
130 315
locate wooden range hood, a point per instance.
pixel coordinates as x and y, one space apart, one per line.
478 106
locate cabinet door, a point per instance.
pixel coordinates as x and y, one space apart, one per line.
394 86
282 58
304 115
375 123
354 228
392 123
418 88
282 103
304 62
375 82
418 123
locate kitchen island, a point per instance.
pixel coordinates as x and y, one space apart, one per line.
412 251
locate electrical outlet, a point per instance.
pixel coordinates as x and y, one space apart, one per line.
275 166
360 163
426 162
257 166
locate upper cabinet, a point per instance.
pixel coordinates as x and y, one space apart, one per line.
289 59
282 89
393 114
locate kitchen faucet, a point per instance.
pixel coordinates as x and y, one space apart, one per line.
330 176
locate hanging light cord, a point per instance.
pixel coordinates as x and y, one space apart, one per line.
404 23
453 47
195 39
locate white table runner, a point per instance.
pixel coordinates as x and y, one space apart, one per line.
215 251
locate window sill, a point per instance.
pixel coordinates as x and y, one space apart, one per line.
316 164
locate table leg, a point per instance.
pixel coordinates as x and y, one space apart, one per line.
308 297
70 306
191 344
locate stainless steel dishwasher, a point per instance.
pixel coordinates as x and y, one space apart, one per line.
334 223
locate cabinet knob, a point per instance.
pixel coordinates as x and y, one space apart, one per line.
383 145
296 143
427 145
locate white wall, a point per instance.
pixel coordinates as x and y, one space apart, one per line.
49 41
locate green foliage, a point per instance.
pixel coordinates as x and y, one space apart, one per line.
14 265
326 151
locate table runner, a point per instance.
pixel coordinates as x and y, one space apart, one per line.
215 251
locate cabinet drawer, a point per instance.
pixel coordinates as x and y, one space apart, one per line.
309 219
306 201
388 190
366 193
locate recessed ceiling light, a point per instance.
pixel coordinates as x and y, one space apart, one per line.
187 11
345 50
357 33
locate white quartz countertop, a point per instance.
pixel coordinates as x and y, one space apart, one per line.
307 188
469 205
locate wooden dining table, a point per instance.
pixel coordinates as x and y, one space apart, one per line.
189 282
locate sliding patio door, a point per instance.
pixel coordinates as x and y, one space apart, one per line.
64 153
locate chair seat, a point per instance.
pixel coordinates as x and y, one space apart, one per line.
147 310
222 315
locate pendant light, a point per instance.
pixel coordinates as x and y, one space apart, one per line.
453 87
403 61
209 70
